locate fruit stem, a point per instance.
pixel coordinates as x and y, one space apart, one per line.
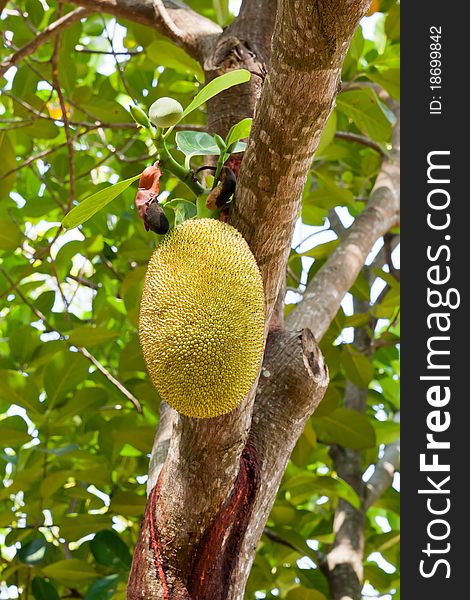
174 167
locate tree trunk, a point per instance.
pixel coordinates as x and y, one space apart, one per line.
213 482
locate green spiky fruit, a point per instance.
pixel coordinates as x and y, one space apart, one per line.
202 318
165 112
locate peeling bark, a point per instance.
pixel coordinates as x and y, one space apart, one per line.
232 465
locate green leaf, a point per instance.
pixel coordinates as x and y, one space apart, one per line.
214 87
328 133
389 79
196 143
54 481
303 486
64 373
300 593
43 589
103 589
392 23
184 209
14 432
33 552
391 390
313 580
366 111
383 541
8 162
389 59
10 235
74 527
72 572
83 400
330 401
386 432
91 205
128 504
239 131
358 368
109 549
321 251
139 437
87 335
345 427
222 12
167 54
313 215
108 111
328 194
18 389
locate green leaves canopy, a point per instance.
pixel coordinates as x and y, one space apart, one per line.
75 451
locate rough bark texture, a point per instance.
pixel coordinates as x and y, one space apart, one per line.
324 294
220 477
245 44
309 45
282 407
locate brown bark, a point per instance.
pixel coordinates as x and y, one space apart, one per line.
207 467
324 294
245 44
283 406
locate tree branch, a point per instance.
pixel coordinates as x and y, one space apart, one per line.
295 103
360 139
219 480
382 477
44 36
199 32
283 406
326 291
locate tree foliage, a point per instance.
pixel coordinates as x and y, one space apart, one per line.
75 449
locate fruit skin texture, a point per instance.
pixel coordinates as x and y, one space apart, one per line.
202 318
165 112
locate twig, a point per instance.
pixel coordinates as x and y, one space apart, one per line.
95 362
309 236
172 30
32 159
42 37
85 282
360 139
84 50
273 536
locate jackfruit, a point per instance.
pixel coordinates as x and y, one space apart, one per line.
202 318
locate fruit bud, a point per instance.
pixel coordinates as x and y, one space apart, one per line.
165 112
139 115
